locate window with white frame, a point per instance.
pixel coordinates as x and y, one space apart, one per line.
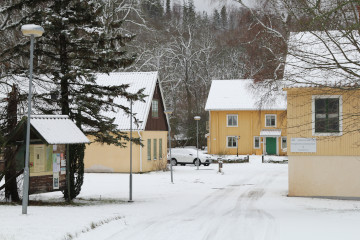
160 149
327 115
231 141
270 120
149 149
256 142
232 120
155 149
283 142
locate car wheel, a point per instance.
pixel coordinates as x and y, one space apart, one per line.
173 162
195 161
206 164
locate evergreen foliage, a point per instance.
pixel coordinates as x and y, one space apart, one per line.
217 19
153 9
224 20
168 9
74 46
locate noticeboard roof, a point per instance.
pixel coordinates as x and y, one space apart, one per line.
51 129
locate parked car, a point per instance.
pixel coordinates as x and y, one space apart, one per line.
184 156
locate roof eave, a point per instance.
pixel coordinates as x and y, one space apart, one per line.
245 109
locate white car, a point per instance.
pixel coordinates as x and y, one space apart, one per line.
184 156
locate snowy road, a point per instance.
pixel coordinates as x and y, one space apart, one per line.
229 211
248 202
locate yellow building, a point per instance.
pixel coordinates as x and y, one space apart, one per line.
322 118
151 127
242 120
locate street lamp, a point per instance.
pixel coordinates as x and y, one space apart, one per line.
32 31
168 112
131 138
237 145
197 119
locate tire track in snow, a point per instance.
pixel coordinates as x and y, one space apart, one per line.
249 221
228 213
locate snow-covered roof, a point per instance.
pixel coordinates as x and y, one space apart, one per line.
270 132
57 129
317 59
244 94
136 81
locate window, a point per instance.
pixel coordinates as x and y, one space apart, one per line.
155 108
283 142
41 159
232 120
327 114
54 95
231 142
270 120
149 149
256 142
155 149
160 149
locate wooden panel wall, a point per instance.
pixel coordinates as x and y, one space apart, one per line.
299 117
250 123
159 123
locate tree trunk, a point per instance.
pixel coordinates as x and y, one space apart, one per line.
11 190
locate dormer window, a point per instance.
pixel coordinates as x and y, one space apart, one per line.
155 108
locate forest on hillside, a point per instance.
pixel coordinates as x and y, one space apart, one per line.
191 48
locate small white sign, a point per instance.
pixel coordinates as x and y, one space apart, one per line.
303 145
56 181
63 163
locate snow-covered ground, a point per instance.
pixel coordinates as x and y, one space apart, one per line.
248 201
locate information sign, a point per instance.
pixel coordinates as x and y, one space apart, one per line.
303 145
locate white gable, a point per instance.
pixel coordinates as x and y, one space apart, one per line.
57 129
244 94
136 81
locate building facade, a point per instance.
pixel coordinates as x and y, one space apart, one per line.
324 154
321 80
151 128
240 122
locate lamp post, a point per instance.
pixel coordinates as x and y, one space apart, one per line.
168 112
197 119
130 177
237 145
32 31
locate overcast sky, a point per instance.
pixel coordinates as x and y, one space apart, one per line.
210 5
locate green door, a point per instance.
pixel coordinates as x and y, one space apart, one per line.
271 146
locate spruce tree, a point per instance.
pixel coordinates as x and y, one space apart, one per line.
216 19
74 46
168 9
224 18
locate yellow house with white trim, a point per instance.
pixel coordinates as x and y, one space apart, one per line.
151 128
243 121
322 116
